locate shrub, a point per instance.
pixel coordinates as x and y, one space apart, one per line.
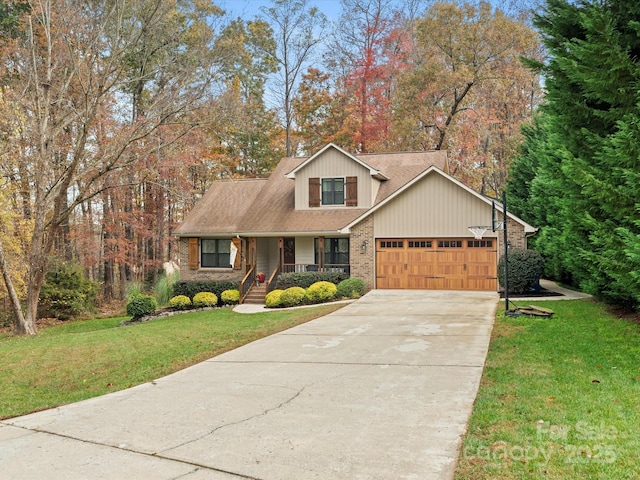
292 296
205 299
66 292
272 300
230 297
351 288
163 289
190 289
525 269
321 292
134 288
140 305
306 279
180 302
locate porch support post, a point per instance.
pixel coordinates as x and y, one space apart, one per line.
321 253
281 253
251 253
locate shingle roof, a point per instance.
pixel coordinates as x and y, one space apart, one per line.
267 206
403 167
274 209
222 208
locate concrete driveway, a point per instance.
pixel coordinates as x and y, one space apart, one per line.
381 389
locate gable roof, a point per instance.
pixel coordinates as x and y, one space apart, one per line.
435 170
403 167
274 209
374 173
266 207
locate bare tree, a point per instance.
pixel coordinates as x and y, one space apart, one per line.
297 31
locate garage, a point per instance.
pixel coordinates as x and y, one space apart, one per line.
436 263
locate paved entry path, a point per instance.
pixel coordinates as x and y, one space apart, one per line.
381 389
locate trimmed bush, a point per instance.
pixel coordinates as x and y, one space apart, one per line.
292 296
141 305
306 279
190 289
180 302
272 300
351 288
230 297
205 299
321 292
525 269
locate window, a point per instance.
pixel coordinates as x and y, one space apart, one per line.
391 244
420 244
449 244
479 243
333 191
215 252
336 251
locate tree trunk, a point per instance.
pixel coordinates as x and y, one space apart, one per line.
107 248
20 324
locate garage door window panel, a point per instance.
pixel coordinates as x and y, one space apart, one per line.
480 243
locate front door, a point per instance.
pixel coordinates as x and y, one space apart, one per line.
289 251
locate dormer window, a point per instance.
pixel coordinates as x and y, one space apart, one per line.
333 191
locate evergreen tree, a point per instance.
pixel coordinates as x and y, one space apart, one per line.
585 194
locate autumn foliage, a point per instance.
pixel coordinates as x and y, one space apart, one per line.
113 125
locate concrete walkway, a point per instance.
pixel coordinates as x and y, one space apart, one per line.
381 389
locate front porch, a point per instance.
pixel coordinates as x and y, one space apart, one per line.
272 256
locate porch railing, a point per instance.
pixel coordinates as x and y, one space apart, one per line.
314 267
273 279
247 282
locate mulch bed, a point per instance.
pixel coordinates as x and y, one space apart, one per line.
542 293
625 313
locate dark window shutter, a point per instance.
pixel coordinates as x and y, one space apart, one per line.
194 253
352 192
314 192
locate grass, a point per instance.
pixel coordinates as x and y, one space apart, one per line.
79 360
559 398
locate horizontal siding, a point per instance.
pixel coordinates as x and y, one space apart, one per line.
305 252
434 207
333 164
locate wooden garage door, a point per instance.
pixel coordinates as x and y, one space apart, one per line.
438 264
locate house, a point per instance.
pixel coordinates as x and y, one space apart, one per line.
396 220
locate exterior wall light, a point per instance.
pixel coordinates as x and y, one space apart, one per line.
363 246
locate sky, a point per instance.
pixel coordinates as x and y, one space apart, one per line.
248 9
251 8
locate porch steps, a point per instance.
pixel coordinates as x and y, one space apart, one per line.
256 294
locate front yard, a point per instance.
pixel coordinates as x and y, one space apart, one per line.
78 360
559 398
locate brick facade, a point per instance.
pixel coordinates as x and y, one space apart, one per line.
363 261
515 236
205 274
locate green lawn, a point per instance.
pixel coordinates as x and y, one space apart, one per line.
559 398
79 360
